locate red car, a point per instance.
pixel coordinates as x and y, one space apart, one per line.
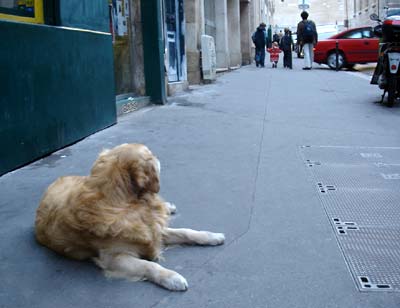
358 45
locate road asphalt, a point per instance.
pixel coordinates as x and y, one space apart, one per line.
231 162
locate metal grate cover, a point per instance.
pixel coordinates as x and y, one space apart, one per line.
359 188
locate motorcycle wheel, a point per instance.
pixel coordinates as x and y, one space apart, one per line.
391 89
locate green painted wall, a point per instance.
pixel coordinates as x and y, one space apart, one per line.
91 15
56 87
153 45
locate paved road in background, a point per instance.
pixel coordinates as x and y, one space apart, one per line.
367 69
234 160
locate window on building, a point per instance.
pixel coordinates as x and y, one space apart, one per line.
22 10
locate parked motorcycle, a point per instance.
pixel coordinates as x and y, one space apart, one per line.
387 73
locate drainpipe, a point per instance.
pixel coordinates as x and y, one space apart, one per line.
153 47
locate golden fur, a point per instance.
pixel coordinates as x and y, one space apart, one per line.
116 217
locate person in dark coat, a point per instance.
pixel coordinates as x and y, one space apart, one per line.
286 46
260 40
308 37
275 38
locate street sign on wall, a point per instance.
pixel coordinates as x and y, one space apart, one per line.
304 4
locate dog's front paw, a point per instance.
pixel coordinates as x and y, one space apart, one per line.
174 282
171 207
215 238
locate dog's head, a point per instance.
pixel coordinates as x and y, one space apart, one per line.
135 163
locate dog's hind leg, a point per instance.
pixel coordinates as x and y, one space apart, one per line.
191 237
120 265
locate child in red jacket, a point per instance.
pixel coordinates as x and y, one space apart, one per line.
274 54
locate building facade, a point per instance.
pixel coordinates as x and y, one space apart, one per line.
358 11
83 60
56 82
323 13
338 13
137 39
57 77
229 22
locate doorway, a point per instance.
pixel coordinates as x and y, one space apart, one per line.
175 40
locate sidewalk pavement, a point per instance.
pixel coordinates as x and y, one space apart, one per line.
231 162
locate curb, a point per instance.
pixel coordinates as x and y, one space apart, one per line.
130 104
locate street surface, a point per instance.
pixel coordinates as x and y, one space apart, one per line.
234 160
367 69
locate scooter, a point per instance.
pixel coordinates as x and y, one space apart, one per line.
387 73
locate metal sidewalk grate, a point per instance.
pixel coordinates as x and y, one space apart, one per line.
359 188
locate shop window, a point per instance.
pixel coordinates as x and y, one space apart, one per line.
22 10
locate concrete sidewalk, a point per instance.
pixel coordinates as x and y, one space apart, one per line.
231 162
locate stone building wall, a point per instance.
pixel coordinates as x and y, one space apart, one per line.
360 10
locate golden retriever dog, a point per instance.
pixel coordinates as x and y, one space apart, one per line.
115 217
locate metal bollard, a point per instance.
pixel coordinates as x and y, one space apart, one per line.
337 56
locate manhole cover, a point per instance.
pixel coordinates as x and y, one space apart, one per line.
359 189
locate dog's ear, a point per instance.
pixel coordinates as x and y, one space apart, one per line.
144 176
141 167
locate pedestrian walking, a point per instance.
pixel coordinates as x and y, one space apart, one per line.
260 40
308 37
275 37
286 46
269 39
280 35
274 52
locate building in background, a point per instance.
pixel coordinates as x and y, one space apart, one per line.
56 83
331 15
174 31
57 76
230 24
269 12
328 15
358 11
84 61
129 67
138 44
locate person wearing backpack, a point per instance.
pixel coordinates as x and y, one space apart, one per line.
308 37
286 46
260 41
